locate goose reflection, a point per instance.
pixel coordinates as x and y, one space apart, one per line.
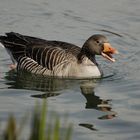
48 86
95 102
53 87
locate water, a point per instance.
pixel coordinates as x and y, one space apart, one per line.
106 109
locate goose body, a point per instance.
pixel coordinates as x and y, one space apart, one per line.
57 58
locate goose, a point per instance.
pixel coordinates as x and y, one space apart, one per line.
57 58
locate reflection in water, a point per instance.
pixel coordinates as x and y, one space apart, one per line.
89 126
54 87
51 86
95 102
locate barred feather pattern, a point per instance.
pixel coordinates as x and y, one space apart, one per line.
53 58
40 56
47 61
47 57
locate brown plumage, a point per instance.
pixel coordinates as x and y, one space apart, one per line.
57 58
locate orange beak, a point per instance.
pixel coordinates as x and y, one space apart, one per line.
107 51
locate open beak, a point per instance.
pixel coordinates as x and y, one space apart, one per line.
108 51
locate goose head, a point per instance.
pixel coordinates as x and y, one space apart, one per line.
99 45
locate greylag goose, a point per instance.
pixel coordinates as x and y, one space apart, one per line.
57 58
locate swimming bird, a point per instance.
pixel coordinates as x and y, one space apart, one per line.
57 58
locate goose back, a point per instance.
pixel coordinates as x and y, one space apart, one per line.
41 56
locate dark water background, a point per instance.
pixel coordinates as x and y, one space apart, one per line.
107 109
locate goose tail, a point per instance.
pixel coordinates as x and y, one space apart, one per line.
15 44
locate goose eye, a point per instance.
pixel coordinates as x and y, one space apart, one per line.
97 41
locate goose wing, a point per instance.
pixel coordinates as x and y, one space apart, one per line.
46 53
49 56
